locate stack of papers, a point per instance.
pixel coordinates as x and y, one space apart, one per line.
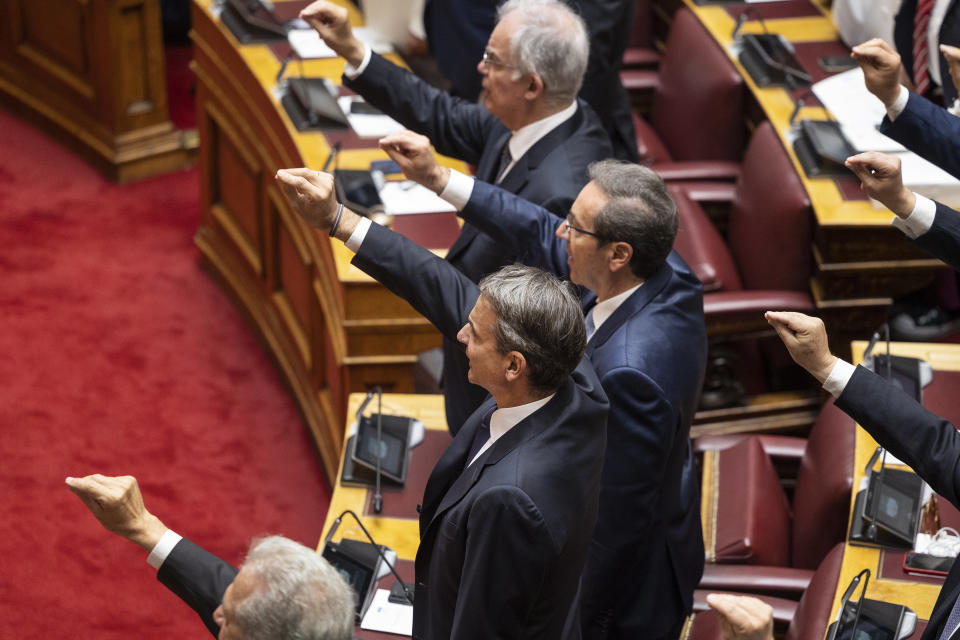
308 45
407 197
367 125
388 617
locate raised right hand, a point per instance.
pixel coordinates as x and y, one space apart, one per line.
881 69
332 22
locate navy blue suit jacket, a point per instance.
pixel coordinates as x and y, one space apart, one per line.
197 577
929 131
943 239
647 552
926 442
551 174
457 31
949 34
502 542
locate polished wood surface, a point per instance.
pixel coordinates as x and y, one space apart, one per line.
91 72
329 328
860 262
918 595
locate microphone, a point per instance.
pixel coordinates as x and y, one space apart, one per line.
336 524
846 597
741 20
377 495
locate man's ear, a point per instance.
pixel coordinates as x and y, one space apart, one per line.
621 253
516 366
534 87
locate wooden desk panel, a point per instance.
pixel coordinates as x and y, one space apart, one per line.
91 73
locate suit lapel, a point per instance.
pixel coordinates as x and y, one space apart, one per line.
651 288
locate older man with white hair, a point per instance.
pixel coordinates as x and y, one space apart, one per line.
531 135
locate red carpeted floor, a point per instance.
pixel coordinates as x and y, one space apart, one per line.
120 356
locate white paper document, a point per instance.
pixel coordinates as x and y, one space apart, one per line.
857 110
407 197
367 125
388 617
308 44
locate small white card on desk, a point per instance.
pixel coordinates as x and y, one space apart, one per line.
406 197
308 44
388 617
368 125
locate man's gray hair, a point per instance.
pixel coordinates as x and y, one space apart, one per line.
539 316
551 41
299 595
638 211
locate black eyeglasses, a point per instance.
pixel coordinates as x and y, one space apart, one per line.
570 227
490 61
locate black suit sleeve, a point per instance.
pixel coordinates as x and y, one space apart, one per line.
197 577
943 239
926 442
525 229
456 128
431 285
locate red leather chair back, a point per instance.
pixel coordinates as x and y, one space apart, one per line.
641 31
700 244
698 106
771 223
821 499
813 612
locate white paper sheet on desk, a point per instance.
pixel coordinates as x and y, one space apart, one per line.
368 125
406 197
388 617
308 45
857 110
929 180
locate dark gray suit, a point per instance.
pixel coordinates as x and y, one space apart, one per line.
197 577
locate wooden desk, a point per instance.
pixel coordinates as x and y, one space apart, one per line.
329 329
90 72
861 262
398 526
918 593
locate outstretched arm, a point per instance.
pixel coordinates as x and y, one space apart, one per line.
527 230
434 287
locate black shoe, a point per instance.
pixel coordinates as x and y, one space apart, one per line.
923 324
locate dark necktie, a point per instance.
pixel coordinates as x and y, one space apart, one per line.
921 71
480 437
952 621
505 160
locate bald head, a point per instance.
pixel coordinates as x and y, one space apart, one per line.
551 41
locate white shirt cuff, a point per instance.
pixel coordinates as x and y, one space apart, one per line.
356 238
458 190
839 376
899 104
162 549
920 219
352 72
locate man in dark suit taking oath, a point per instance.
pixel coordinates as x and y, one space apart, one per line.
531 135
929 444
647 342
509 508
283 591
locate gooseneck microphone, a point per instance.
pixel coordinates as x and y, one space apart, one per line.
377 495
336 525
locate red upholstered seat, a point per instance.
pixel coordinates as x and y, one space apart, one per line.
697 109
640 51
746 517
804 620
766 261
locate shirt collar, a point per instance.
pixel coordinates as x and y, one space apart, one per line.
503 420
528 135
603 310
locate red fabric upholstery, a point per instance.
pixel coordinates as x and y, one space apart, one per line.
698 108
821 500
699 170
748 487
754 303
813 611
710 191
649 147
699 243
756 579
771 223
640 51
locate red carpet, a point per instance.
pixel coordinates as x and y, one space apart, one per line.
121 356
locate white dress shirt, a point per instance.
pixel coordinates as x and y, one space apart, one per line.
162 549
502 420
